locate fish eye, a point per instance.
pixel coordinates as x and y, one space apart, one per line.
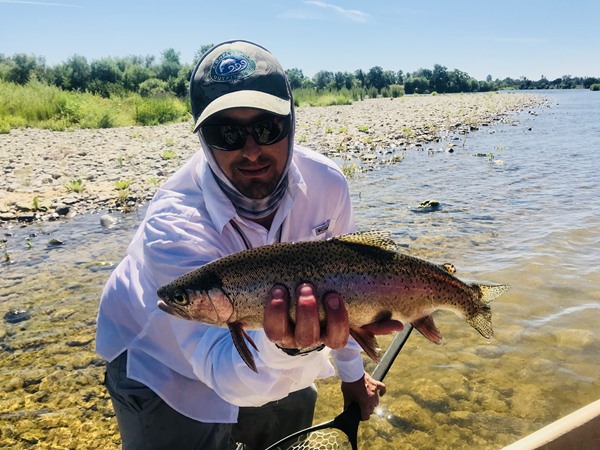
180 298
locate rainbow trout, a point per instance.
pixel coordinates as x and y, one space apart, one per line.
374 279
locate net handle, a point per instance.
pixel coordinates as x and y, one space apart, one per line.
391 352
349 419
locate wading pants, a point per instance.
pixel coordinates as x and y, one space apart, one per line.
146 422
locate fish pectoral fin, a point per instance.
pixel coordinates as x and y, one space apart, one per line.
367 341
427 328
239 336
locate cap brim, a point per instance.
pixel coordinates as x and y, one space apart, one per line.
245 99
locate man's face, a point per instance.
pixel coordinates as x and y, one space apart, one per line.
254 170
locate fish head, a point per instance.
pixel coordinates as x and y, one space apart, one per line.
210 306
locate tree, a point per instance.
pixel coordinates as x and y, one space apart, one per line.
179 85
416 85
323 79
389 77
202 51
361 76
424 73
21 68
73 75
296 77
439 79
375 78
459 81
400 77
169 66
135 75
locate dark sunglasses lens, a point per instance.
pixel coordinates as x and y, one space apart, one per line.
224 137
231 137
271 130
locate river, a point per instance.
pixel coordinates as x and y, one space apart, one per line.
518 205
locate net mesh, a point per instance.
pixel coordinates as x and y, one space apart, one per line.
327 439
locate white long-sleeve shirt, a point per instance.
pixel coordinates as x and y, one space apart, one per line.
193 367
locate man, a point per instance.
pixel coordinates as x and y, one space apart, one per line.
178 384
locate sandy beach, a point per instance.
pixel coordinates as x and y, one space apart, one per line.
120 168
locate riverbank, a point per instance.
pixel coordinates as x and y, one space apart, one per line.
51 175
529 221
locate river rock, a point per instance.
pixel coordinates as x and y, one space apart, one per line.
17 315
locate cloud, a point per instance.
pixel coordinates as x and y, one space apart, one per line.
21 2
351 15
516 40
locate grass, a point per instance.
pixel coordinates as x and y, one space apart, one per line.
350 169
122 185
312 97
168 154
76 186
38 105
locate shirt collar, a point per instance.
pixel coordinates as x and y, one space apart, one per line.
220 208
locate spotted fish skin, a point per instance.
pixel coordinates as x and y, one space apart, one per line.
374 279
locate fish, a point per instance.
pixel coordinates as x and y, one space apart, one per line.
375 280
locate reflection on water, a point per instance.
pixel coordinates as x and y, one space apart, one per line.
518 205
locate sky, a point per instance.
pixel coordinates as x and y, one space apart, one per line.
508 38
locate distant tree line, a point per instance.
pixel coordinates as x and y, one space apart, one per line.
150 77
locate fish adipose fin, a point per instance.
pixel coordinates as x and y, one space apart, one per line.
427 328
367 341
239 336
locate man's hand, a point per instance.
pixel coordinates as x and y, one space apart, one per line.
307 330
366 392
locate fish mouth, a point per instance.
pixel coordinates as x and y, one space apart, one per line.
173 310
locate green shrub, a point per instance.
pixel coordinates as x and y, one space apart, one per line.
155 111
4 126
67 108
595 87
153 88
38 105
393 91
312 97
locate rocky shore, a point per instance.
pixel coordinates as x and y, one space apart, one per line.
48 175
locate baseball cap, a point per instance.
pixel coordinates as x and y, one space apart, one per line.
238 74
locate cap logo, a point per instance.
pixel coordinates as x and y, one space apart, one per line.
232 65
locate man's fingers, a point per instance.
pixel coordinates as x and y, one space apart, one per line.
276 321
308 330
337 328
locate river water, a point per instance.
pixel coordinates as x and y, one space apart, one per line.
518 205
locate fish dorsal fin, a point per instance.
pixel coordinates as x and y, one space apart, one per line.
379 239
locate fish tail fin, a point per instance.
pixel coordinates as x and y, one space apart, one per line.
482 321
367 341
240 337
491 292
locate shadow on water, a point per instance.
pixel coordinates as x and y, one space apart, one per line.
524 213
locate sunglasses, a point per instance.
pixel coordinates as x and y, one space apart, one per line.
267 130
